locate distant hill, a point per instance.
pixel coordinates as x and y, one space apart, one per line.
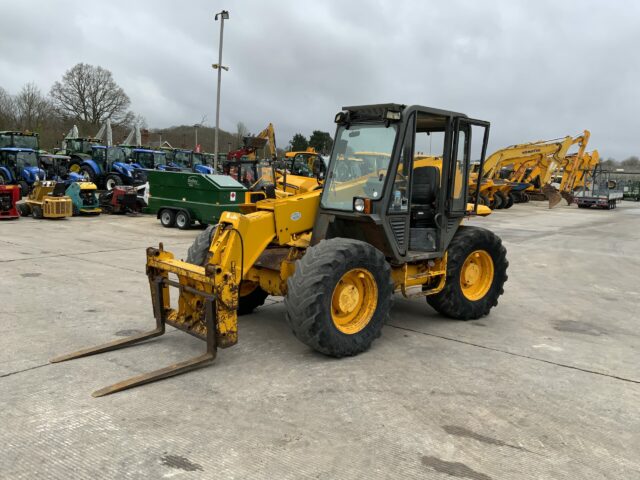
183 136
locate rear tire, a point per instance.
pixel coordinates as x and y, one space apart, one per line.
167 218
198 254
252 300
452 301
339 297
483 200
36 212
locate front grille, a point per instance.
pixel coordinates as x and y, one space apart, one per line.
398 227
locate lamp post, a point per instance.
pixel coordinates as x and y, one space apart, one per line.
196 127
224 15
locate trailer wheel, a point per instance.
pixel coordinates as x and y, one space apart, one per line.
183 220
339 297
36 211
476 272
167 218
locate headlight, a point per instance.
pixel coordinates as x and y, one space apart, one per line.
358 205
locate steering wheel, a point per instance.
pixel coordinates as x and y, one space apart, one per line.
342 172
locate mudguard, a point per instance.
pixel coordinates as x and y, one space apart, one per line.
94 166
204 169
123 169
6 173
32 174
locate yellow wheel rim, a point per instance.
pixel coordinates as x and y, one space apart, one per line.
75 168
354 301
247 287
476 275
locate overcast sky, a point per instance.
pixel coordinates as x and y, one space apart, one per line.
534 69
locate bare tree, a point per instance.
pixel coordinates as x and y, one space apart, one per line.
32 109
241 132
90 93
7 110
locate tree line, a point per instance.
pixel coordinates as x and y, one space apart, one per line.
85 96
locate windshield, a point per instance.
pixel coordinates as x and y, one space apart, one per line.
197 159
24 159
25 141
159 158
145 159
359 164
18 141
181 159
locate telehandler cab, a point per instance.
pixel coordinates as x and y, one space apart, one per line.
338 254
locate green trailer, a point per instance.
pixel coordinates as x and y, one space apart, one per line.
180 198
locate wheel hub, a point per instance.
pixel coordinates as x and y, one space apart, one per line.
354 301
476 276
348 299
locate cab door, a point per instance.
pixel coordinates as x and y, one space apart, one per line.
469 146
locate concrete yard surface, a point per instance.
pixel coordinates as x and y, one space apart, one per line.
545 387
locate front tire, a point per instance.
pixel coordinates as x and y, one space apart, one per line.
87 173
24 188
476 272
339 297
112 181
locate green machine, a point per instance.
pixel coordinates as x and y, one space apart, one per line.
180 198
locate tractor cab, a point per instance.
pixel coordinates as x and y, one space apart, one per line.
27 140
149 159
398 177
57 167
187 160
306 164
19 166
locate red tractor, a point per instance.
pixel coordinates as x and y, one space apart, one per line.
9 197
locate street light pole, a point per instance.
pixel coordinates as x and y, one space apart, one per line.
224 15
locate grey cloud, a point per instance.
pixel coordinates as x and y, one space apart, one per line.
534 69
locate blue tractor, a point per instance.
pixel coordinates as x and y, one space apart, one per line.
107 167
188 161
19 166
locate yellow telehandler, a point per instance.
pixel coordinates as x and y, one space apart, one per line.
338 254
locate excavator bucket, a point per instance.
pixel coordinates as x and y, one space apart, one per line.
552 195
160 282
568 197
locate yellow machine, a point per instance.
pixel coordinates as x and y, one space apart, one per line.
532 166
576 172
47 199
338 254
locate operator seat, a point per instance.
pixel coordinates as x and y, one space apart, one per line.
58 190
424 192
